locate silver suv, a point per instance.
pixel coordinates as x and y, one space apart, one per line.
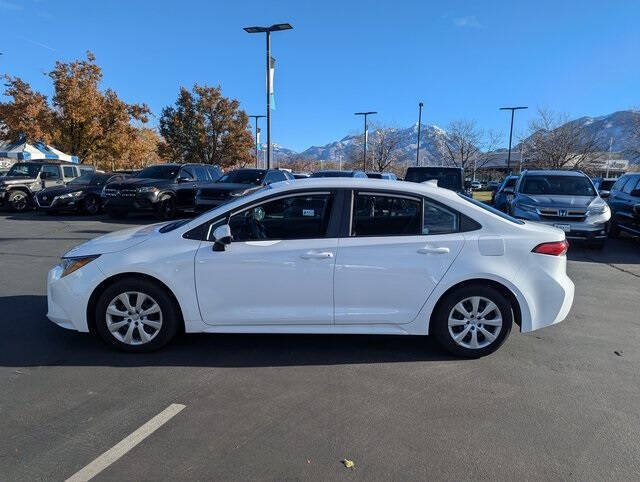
567 200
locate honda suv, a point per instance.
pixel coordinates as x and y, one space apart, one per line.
163 189
566 200
24 179
624 199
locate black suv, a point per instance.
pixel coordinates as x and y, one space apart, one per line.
624 201
447 177
26 178
234 184
81 194
163 189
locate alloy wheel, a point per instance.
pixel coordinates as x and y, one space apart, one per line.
475 322
19 201
134 318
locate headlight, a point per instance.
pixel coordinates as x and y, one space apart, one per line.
69 265
147 189
70 195
597 209
527 207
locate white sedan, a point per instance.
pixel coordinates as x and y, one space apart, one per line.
326 255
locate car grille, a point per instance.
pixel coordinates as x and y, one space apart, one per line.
112 192
44 200
560 214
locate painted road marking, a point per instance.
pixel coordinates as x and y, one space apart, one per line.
126 444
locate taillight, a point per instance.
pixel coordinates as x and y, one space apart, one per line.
556 248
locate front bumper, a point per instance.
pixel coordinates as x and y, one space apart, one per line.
139 202
59 203
580 231
68 297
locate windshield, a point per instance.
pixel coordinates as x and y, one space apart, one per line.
83 180
492 210
447 178
245 176
24 169
332 174
557 185
159 172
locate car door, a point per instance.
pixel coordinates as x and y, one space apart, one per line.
51 176
186 188
398 250
279 267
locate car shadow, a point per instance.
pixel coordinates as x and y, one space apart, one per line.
29 339
624 250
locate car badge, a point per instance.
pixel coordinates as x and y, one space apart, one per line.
562 212
45 197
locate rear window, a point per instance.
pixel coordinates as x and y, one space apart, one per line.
492 210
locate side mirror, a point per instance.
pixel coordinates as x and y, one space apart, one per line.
222 237
181 179
604 193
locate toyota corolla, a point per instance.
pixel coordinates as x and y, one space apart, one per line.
326 255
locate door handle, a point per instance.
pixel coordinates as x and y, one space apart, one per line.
433 250
317 255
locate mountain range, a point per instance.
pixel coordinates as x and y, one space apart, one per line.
618 130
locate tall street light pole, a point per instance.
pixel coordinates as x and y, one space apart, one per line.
256 117
512 109
274 28
365 114
419 124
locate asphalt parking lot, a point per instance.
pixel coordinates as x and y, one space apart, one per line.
560 403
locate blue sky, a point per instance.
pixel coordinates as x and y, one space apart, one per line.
463 59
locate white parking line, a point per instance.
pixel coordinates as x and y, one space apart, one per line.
126 444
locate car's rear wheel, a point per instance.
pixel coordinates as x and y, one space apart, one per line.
91 205
166 208
473 321
18 201
136 316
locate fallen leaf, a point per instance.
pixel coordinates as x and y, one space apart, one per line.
348 463
618 352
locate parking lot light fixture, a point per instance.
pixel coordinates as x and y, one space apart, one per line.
365 114
267 30
512 109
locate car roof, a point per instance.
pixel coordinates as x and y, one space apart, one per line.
363 183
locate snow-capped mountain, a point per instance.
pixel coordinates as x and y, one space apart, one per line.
620 128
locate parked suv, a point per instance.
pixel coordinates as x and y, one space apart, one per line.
26 178
163 189
447 177
567 200
624 200
235 184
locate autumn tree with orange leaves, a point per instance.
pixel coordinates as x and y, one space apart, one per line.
204 126
81 120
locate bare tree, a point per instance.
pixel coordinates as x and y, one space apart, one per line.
467 146
382 149
556 143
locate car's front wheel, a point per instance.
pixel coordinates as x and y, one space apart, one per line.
166 208
18 201
473 321
91 205
136 316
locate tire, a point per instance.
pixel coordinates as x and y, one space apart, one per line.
116 213
124 332
91 205
18 201
478 329
166 208
614 230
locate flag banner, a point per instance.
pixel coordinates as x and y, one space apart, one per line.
272 68
366 136
258 140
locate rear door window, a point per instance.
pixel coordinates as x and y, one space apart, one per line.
385 215
628 187
439 220
69 171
